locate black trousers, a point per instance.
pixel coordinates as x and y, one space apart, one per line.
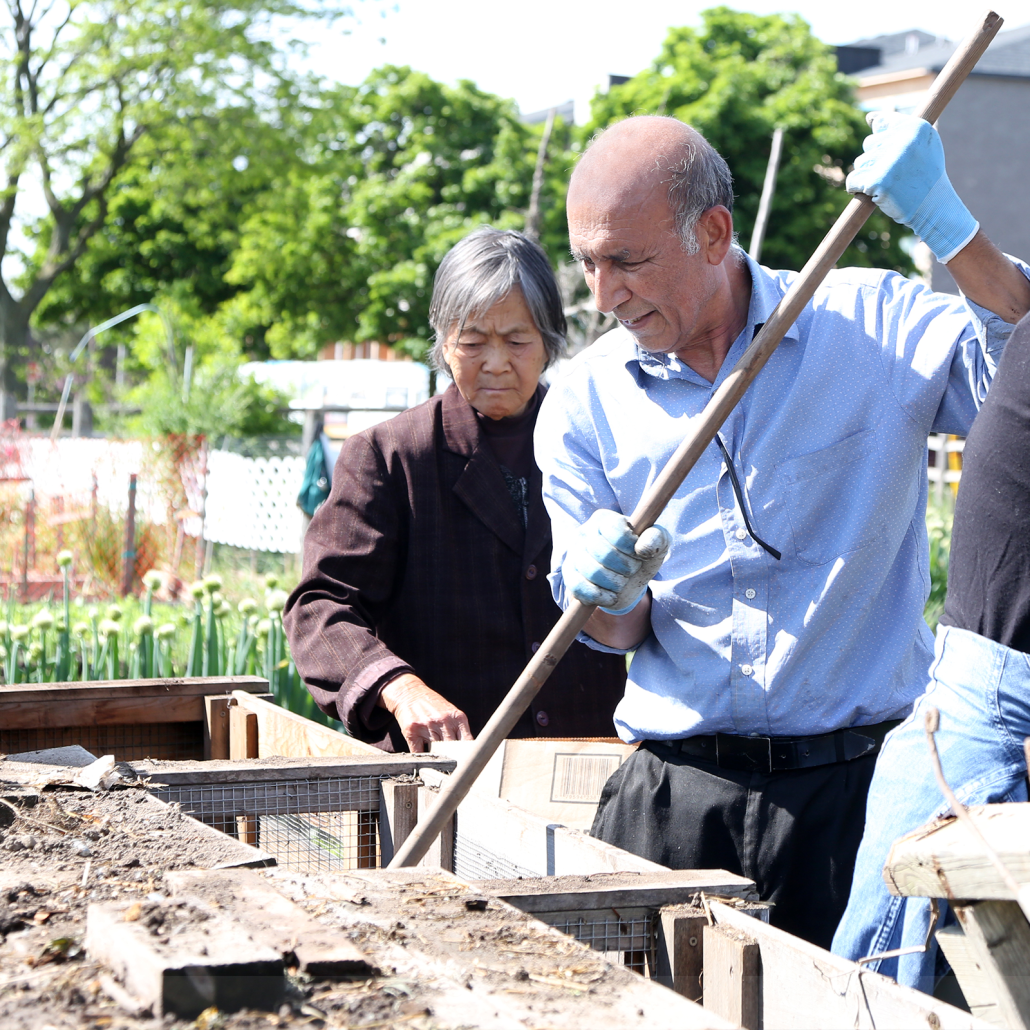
794 833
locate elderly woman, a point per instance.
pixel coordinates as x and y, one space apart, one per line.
424 591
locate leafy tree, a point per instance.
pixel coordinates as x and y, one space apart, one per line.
736 79
82 82
346 244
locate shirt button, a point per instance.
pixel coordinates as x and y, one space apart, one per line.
746 670
542 719
741 534
531 572
535 646
749 594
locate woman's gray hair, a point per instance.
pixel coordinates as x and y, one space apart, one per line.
481 270
700 180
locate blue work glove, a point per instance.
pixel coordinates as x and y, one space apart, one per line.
609 565
902 170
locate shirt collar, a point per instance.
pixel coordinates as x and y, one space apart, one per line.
766 292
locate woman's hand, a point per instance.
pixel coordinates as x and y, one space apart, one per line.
422 713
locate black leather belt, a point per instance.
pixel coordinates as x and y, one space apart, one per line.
780 754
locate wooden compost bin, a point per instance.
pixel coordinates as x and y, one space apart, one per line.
324 804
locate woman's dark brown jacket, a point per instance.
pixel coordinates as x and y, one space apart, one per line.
418 562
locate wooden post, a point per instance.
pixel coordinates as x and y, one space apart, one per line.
680 949
732 986
441 852
243 743
999 938
977 986
129 556
398 814
216 727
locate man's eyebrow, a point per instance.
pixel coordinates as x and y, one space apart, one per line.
615 255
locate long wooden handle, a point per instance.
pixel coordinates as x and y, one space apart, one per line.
693 446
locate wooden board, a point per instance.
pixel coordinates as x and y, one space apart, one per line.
999 937
807 988
732 987
528 844
555 779
284 733
263 770
265 916
513 971
945 860
114 702
680 952
605 891
977 987
209 964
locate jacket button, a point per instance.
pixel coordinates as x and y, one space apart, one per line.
531 572
542 719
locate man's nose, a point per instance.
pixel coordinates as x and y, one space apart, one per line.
608 289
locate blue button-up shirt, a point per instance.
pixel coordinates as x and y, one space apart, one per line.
829 447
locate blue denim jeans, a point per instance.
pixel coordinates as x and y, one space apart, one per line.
982 690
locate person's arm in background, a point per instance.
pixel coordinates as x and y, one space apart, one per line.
350 554
902 169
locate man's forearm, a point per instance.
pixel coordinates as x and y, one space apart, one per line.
990 279
622 631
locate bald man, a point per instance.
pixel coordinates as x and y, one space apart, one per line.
775 615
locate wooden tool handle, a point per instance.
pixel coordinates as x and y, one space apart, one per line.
723 401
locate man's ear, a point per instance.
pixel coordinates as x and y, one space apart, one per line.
715 233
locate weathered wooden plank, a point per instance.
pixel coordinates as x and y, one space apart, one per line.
805 987
732 976
617 890
513 970
216 727
272 920
207 962
262 770
243 733
398 814
290 735
945 860
999 937
977 986
441 852
680 952
56 712
197 686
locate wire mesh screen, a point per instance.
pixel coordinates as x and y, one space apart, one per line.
474 860
309 825
174 741
630 939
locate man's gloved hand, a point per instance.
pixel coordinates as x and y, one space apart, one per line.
902 170
609 565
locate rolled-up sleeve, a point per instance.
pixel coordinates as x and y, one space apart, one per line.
351 554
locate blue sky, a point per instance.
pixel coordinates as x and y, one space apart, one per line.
544 52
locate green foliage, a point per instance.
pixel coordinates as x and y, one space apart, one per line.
939 518
82 82
736 79
138 639
220 404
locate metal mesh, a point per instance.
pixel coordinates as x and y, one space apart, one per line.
629 941
309 825
175 741
474 861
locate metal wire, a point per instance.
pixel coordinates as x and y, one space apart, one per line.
474 861
309 825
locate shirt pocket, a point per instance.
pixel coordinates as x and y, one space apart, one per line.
829 499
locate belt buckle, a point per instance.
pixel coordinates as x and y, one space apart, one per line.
747 754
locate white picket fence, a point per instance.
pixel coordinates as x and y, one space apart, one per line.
252 502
